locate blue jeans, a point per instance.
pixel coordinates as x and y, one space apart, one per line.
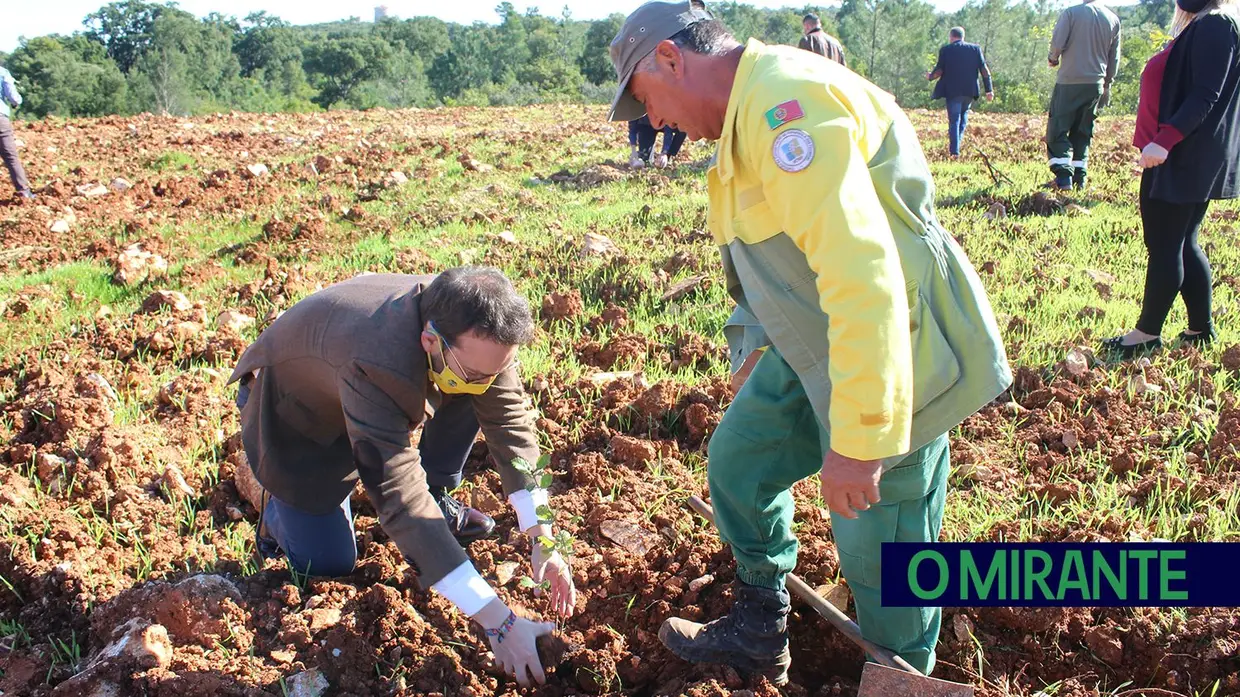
643 135
957 120
324 545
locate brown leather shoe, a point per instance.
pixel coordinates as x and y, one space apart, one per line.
467 524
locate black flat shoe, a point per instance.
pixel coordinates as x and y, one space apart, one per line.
1199 340
1116 347
467 524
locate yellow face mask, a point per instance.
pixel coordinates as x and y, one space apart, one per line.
448 381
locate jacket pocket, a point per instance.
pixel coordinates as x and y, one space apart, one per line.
783 262
298 416
936 369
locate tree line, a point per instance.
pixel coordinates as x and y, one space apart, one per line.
136 56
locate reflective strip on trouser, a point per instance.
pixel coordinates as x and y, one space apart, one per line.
770 439
1070 127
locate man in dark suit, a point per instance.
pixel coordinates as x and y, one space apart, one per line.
818 41
331 392
960 64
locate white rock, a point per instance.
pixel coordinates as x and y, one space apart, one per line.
60 226
505 571
1100 276
135 265
837 594
167 298
1070 440
311 683
175 482
962 627
139 646
598 245
120 184
701 582
256 170
507 237
236 321
1139 385
394 179
323 618
1077 362
92 190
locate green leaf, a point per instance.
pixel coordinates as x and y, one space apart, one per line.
545 514
544 462
520 465
544 482
528 582
547 543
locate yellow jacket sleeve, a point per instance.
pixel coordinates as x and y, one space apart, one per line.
831 211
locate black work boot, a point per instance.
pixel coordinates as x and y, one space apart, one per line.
467 524
1079 180
752 638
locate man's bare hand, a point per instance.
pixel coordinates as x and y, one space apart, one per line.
850 485
742 374
990 96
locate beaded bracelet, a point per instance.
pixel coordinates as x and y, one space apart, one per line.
501 631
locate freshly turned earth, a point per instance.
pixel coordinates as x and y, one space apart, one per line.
112 521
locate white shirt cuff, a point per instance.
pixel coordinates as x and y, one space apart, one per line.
465 589
526 504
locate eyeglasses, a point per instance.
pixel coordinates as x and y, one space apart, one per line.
469 376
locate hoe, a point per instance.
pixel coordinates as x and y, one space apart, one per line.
888 675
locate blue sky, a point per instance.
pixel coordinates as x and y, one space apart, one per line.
65 16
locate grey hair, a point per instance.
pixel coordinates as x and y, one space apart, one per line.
708 37
478 299
957 32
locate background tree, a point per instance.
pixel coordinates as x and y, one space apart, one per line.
339 64
594 62
891 42
67 76
167 60
125 28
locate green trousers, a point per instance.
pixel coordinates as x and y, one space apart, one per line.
1070 129
770 439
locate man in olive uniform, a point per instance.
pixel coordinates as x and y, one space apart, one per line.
881 338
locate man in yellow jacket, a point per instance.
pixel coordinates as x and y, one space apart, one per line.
879 335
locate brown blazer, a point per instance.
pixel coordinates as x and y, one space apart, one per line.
341 384
825 45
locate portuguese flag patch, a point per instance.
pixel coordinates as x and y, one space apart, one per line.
784 113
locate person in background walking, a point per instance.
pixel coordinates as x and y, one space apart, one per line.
9 96
642 137
818 41
960 64
1188 130
1085 48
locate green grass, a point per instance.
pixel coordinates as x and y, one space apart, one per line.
1040 273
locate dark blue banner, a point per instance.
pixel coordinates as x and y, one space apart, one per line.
1067 574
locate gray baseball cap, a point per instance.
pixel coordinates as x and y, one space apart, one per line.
641 33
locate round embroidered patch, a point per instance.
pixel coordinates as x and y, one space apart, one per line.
793 150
